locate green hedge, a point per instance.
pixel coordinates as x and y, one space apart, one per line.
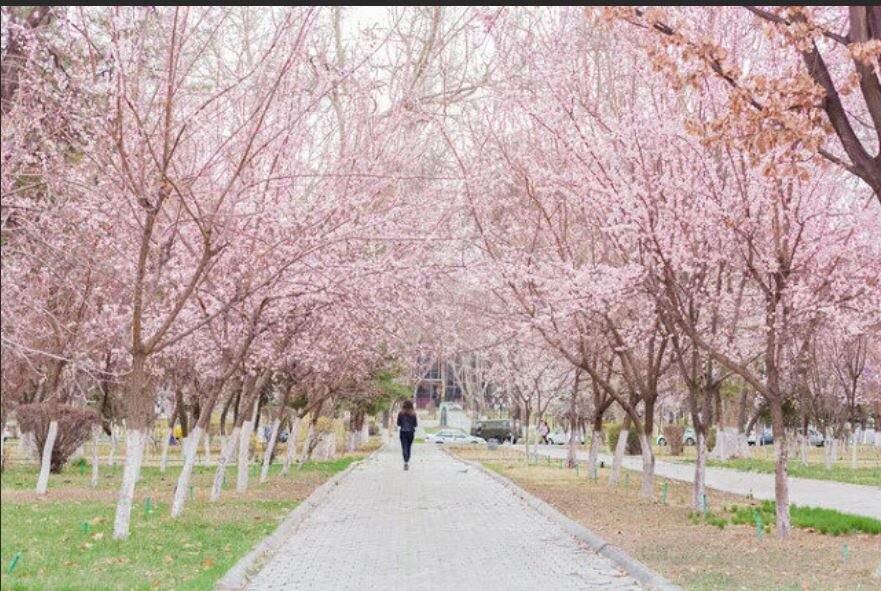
613 429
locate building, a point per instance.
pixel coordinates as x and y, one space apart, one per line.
437 385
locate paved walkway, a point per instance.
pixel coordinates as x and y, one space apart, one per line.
848 498
442 525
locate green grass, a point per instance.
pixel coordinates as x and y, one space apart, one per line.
825 521
867 475
24 476
161 553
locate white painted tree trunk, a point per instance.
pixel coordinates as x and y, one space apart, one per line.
184 441
206 459
244 449
114 440
226 456
571 457
308 445
46 461
593 453
618 459
827 454
835 451
648 465
350 441
186 473
781 488
700 473
134 451
270 447
365 434
96 433
163 461
804 450
730 443
853 453
291 451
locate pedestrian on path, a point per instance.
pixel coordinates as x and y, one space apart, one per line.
543 430
407 424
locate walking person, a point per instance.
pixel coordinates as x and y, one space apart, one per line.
543 430
407 424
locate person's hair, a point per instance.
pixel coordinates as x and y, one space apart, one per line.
407 408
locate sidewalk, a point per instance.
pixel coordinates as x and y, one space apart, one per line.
442 525
841 496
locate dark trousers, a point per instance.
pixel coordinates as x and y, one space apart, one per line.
406 444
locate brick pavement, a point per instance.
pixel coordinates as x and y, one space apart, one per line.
442 525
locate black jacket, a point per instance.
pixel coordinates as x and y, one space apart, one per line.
407 423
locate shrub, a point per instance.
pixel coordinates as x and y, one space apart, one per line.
324 425
633 446
673 435
74 425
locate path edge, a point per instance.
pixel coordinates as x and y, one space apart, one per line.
239 574
644 575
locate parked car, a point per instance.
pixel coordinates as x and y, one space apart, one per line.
453 436
688 438
767 438
499 429
282 436
816 438
560 437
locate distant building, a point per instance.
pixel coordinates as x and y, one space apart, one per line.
437 385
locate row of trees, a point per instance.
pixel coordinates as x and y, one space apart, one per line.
235 204
629 220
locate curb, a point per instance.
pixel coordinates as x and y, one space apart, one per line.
237 577
643 574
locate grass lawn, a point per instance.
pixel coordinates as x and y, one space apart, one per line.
690 552
868 471
65 540
864 474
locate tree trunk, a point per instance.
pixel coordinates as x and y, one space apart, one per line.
526 437
114 440
571 457
595 440
730 443
46 462
618 459
700 470
853 453
244 449
827 449
226 456
291 451
163 461
804 449
648 465
183 480
308 445
781 476
96 433
270 447
207 439
135 440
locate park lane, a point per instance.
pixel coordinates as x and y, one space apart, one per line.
441 525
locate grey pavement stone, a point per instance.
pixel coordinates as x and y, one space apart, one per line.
840 496
441 525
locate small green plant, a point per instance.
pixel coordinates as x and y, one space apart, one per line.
824 521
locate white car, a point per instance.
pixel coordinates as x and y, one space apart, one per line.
560 437
453 436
